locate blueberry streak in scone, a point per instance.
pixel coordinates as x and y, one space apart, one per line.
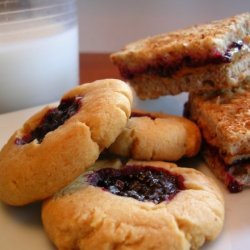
196 59
163 68
236 176
224 119
139 205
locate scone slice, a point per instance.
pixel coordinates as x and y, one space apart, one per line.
224 118
157 136
197 59
235 176
57 144
124 207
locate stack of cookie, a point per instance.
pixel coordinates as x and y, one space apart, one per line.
212 63
90 203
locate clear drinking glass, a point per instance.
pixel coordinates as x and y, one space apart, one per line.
38 51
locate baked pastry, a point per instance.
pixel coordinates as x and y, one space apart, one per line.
157 136
224 119
142 205
196 59
58 143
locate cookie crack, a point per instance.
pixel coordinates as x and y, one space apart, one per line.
90 218
91 134
180 224
100 140
124 109
190 236
15 185
136 242
153 153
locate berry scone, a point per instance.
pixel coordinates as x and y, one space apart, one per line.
139 205
157 136
57 144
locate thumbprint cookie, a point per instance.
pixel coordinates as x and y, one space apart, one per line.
157 136
57 144
139 205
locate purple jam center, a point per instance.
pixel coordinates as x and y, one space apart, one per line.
141 183
52 120
164 68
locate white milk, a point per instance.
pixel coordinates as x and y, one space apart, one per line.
37 71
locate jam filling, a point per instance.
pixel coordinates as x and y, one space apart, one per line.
52 120
163 68
236 174
142 114
234 186
141 183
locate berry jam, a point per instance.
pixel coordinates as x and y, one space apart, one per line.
52 120
233 48
141 183
238 173
234 175
140 114
164 68
234 186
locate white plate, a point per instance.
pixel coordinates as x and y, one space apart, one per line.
21 228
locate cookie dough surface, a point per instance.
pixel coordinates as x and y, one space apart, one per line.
34 170
157 136
82 216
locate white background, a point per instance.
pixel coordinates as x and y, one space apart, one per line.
107 25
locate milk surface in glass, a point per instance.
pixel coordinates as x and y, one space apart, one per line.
37 64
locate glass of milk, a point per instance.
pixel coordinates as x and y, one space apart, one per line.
38 52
